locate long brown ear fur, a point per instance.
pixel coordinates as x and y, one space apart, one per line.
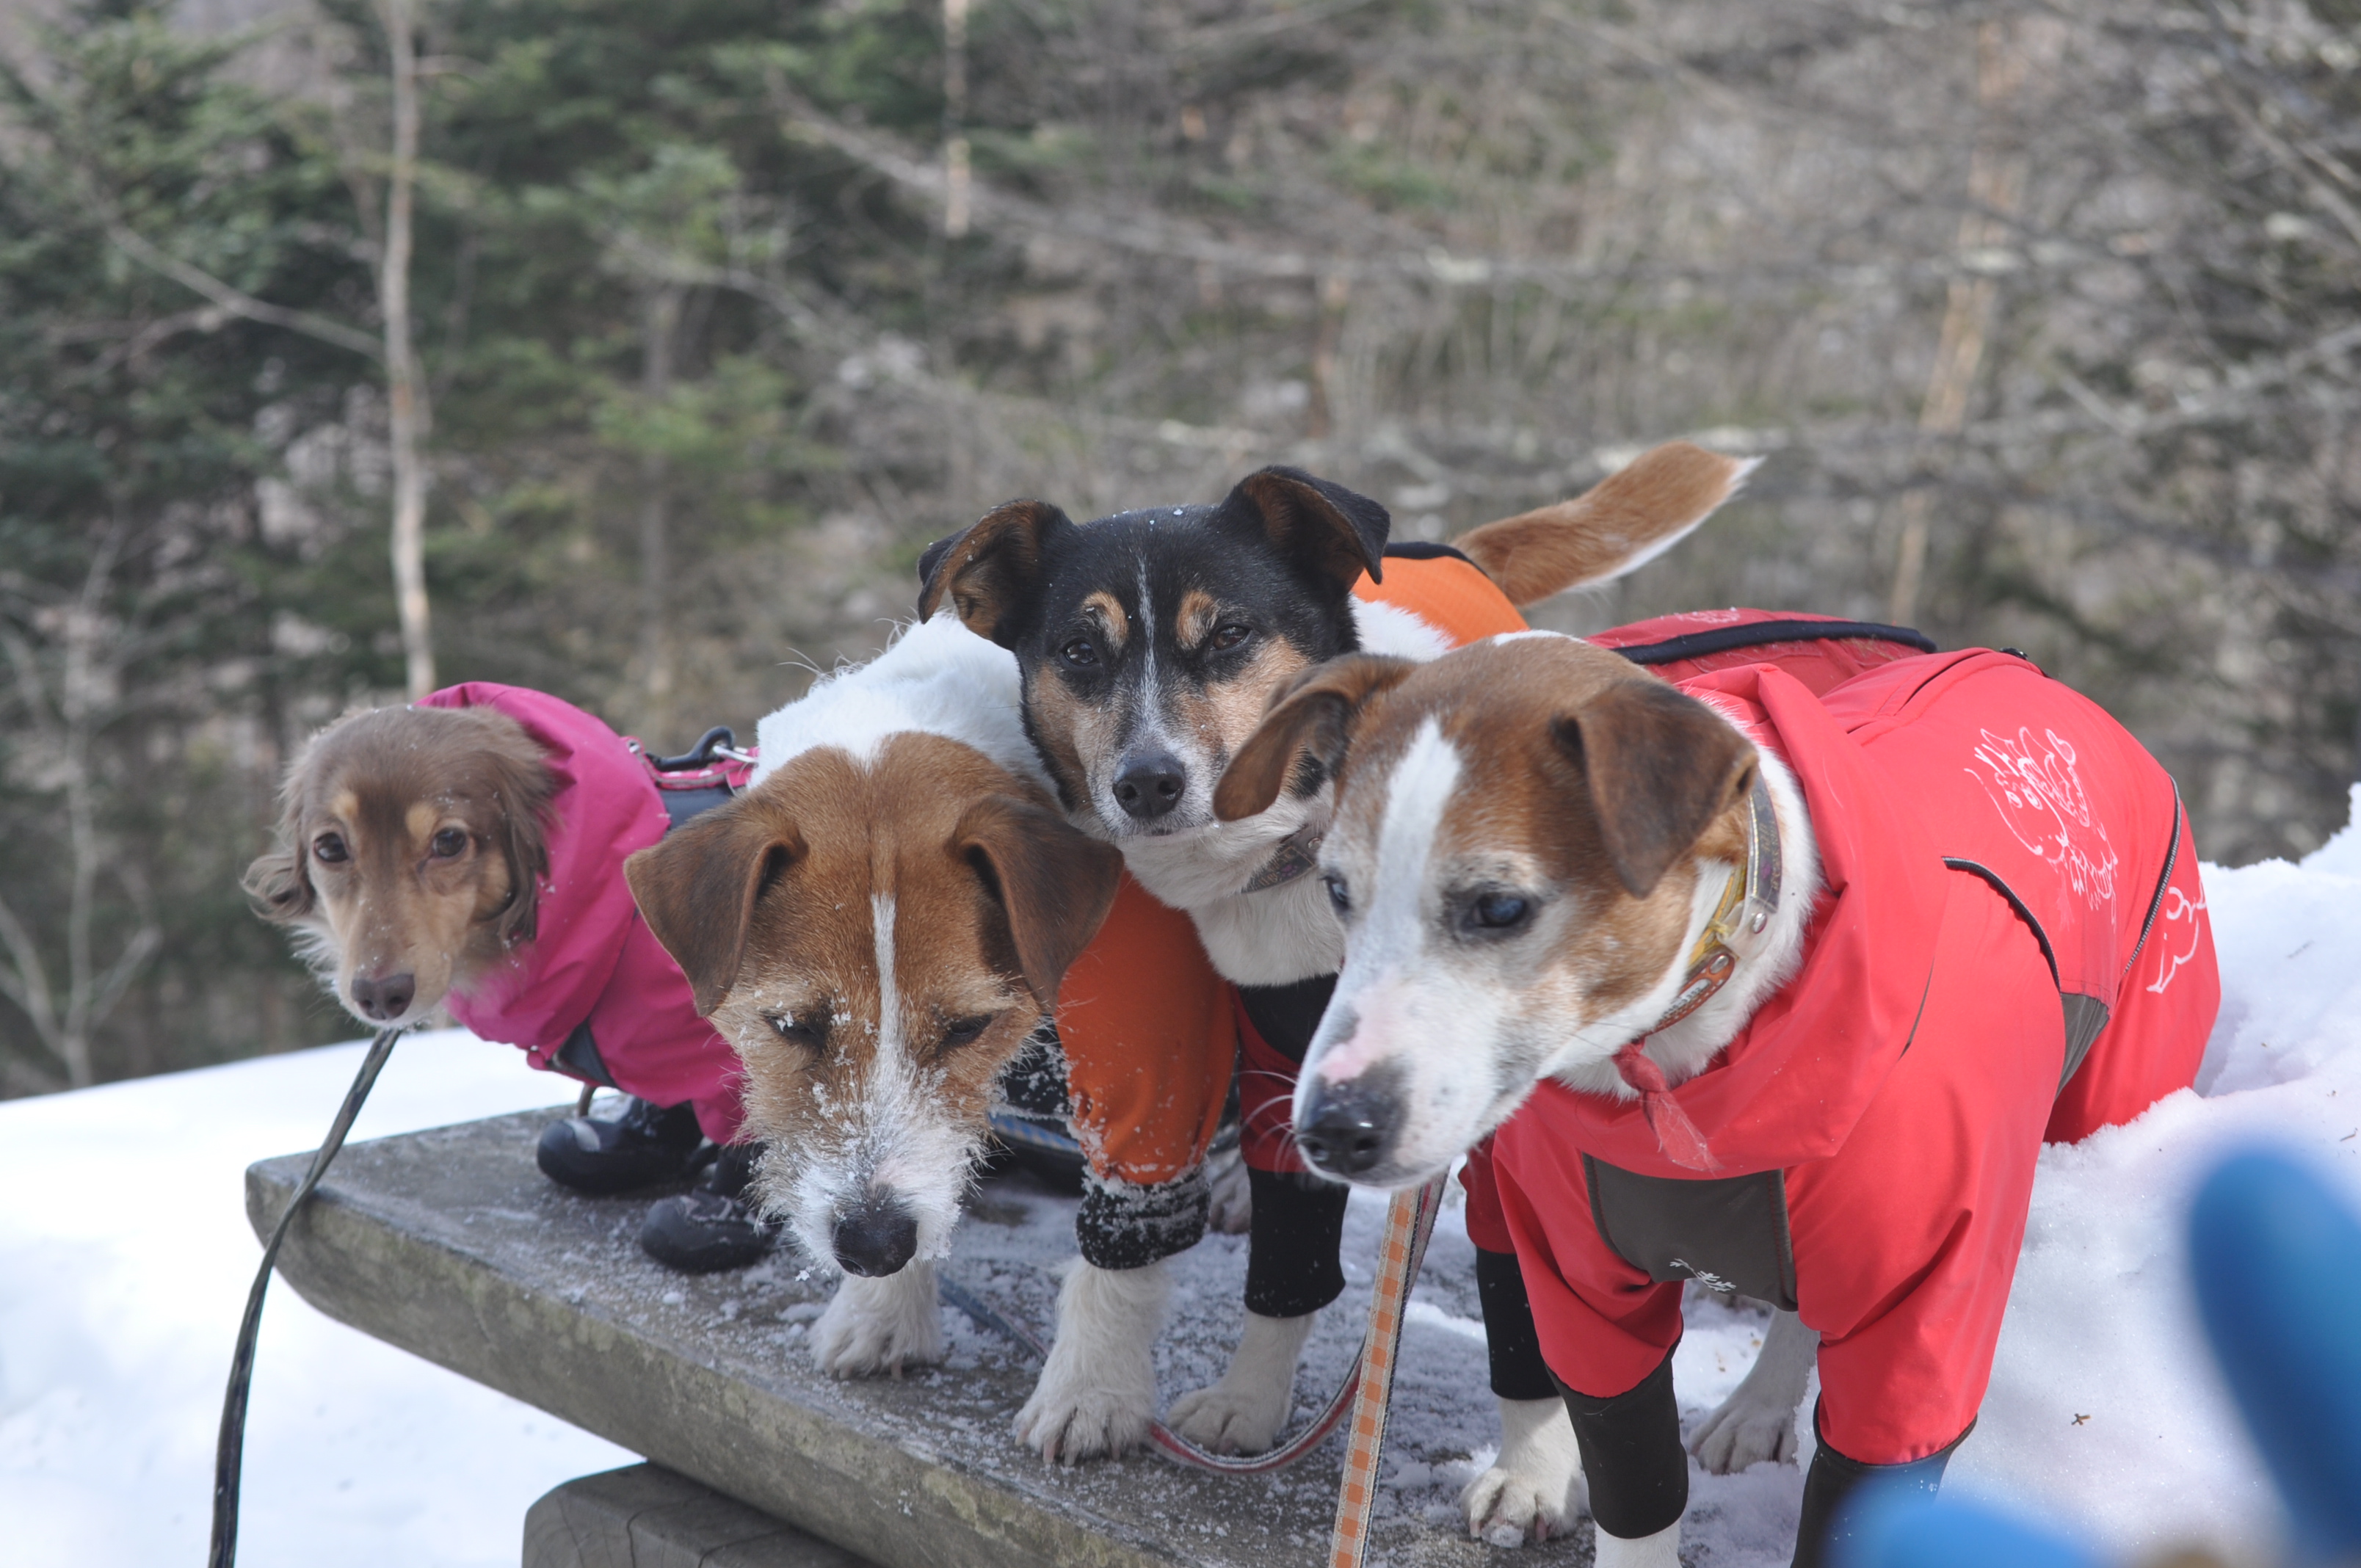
279 882
698 887
992 568
519 773
280 886
1340 532
1628 517
1054 886
1659 767
1311 719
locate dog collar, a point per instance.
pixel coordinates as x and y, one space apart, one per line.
1296 853
1736 929
1748 903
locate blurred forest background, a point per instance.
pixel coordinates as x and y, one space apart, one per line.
713 311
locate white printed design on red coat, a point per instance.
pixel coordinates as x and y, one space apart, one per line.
2040 799
2178 907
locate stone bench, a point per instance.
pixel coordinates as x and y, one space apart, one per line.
451 1245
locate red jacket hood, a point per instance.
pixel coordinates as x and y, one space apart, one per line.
605 807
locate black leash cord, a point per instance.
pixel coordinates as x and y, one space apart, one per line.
229 1456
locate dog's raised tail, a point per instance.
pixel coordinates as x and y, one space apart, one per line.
1626 519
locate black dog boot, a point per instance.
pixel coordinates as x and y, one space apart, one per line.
714 1225
645 1146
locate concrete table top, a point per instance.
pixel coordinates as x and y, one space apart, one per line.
451 1245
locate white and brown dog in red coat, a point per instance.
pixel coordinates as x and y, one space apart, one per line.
1751 981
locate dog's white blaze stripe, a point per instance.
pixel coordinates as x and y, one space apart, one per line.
1416 797
889 996
1151 699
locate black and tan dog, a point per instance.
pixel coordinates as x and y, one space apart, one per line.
1150 644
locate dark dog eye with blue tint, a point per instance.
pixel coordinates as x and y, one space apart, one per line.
965 1031
1231 634
810 1033
330 847
449 844
1500 910
1080 653
1496 912
1336 894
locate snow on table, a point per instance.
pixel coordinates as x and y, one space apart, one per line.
124 1258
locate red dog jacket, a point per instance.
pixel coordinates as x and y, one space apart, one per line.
2010 898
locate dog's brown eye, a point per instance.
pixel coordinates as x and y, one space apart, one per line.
1081 653
1230 635
965 1031
330 847
449 844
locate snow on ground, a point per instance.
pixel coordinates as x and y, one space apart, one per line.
124 1258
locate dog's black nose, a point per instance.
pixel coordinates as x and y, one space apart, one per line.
1150 784
876 1236
386 998
1348 1127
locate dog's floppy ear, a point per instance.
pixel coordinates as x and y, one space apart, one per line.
1054 886
522 786
1313 719
698 887
1338 533
989 570
1660 766
280 885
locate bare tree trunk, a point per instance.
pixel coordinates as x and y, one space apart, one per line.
1995 186
406 393
955 147
661 323
90 995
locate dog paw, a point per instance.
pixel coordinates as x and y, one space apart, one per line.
1230 1420
1243 1412
880 1325
1066 1425
1506 1508
1745 1431
1231 1210
1535 1490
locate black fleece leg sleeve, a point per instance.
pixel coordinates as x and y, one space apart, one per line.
1298 1222
1632 1455
1833 1479
1518 1370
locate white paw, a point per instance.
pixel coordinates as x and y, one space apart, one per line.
1745 1431
1068 1421
880 1325
1243 1412
1097 1392
1227 1421
1661 1550
1758 1420
1232 1210
1535 1489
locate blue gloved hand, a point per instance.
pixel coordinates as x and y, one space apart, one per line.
2276 1259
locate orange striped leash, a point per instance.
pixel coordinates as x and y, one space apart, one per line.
1409 1221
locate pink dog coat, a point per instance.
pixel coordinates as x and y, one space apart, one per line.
593 965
